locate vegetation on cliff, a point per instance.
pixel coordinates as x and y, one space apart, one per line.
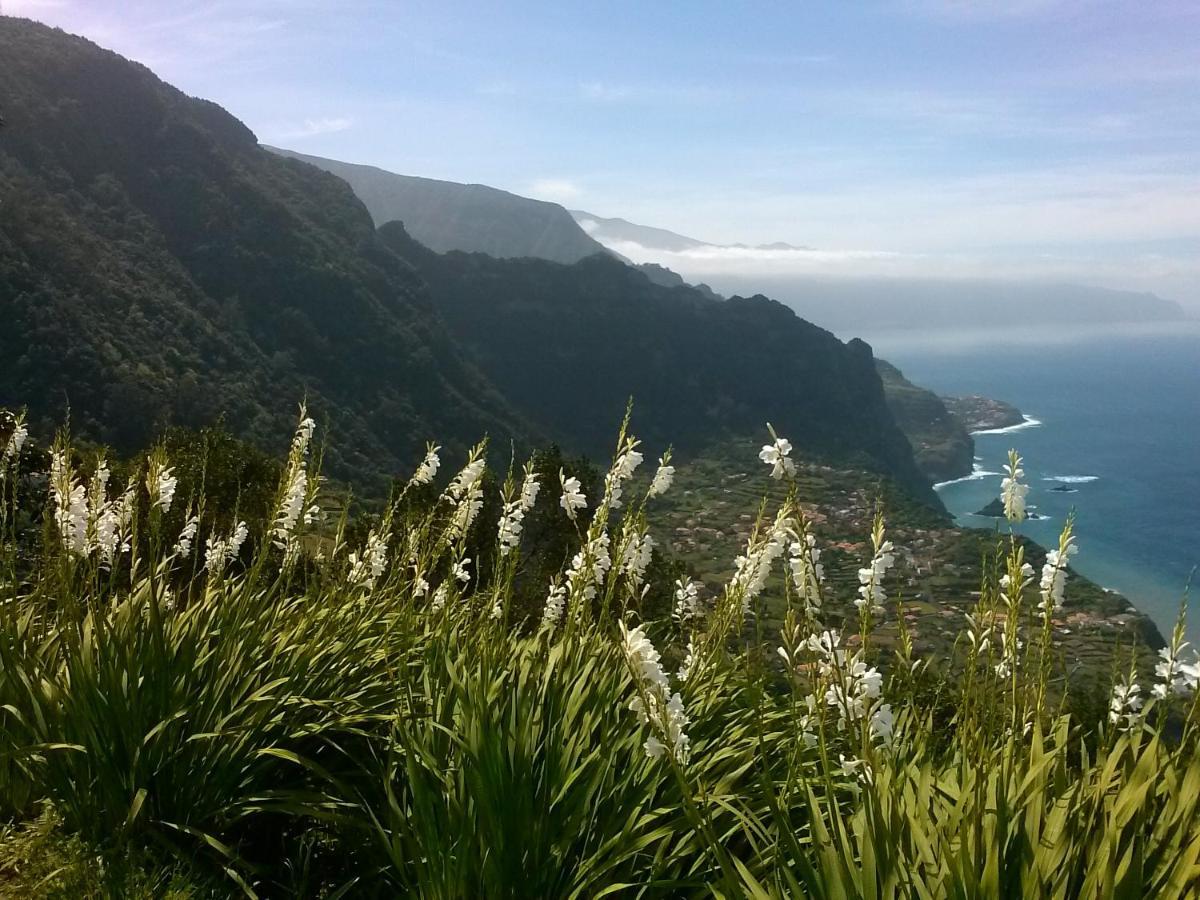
203 705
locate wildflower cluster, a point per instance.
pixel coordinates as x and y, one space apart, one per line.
88 521
622 470
752 569
777 455
573 499
871 595
655 704
687 601
465 493
513 518
1125 705
807 572
367 567
296 498
1054 572
1176 678
429 466
663 477
1012 490
220 552
187 534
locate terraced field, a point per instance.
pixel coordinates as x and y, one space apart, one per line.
708 517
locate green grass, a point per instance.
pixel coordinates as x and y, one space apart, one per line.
281 731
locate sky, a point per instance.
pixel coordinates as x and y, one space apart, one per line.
1045 139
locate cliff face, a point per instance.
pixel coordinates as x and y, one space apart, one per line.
157 266
569 345
941 445
977 413
446 215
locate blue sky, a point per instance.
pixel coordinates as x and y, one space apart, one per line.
1055 139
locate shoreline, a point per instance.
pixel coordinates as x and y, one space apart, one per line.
1029 422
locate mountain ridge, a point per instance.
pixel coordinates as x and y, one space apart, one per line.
158 267
449 215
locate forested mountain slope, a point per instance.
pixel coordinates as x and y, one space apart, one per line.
157 265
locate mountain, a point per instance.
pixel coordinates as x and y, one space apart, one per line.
158 266
941 444
569 344
445 215
615 233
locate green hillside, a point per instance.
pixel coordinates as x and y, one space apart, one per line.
157 265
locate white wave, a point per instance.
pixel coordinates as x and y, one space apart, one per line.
977 473
1030 422
1072 479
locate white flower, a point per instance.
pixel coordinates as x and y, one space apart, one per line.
462 483
1012 490
556 600
236 540
622 470
775 455
70 505
637 556
751 571
429 466
808 574
851 694
588 568
420 586
367 567
512 521
687 601
162 487
303 435
439 598
183 547
663 711
858 769
573 498
219 552
1006 593
882 723
871 595
1125 705
461 571
1175 677
662 479
689 663
826 646
1054 575
290 507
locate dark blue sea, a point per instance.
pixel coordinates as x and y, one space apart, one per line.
1116 419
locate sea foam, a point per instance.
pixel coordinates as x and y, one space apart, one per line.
1072 479
1030 422
977 473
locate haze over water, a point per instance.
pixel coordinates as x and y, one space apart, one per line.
1119 406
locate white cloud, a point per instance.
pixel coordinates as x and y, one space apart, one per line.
556 190
311 128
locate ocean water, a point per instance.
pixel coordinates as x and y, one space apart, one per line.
1115 418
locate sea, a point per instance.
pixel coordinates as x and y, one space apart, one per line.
1113 417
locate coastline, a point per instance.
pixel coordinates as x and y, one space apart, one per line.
1029 422
1088 569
